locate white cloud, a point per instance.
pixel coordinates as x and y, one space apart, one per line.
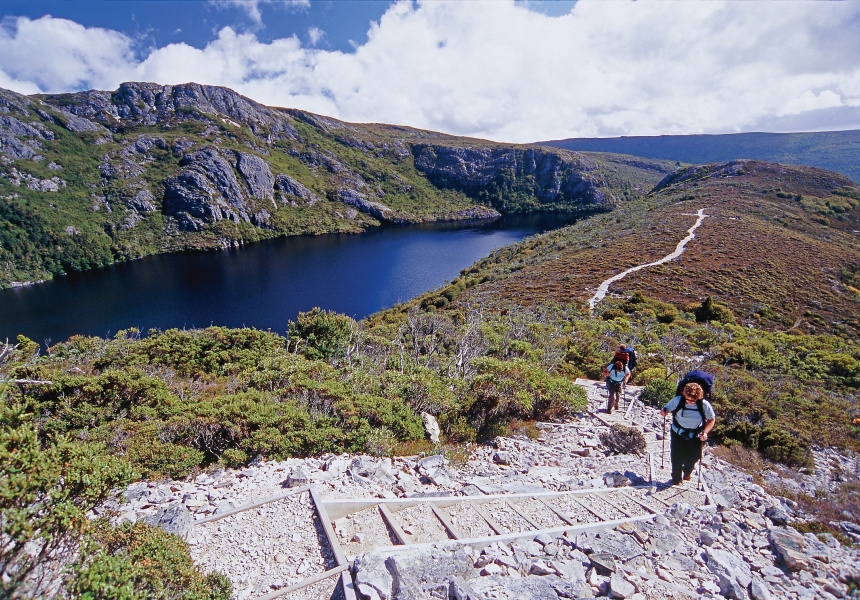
499 70
315 34
252 7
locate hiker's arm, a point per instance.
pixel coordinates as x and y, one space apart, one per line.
709 424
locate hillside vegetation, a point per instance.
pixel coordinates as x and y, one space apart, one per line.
765 296
92 178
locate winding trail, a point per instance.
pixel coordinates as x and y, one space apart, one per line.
679 250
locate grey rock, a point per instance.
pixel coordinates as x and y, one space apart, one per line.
620 587
256 172
758 589
571 571
358 200
372 577
679 510
431 426
502 458
777 514
432 462
136 491
139 104
790 546
724 497
604 564
732 572
363 466
404 586
206 190
543 539
616 479
174 519
336 465
298 477
707 537
532 587
442 476
618 545
289 187
459 589
383 474
528 547
539 567
850 527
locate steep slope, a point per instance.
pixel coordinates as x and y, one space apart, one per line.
833 150
90 178
780 246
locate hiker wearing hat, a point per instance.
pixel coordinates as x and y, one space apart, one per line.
693 417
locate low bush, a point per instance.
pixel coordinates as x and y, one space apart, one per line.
136 561
658 391
620 439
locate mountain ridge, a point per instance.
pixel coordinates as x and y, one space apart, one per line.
833 150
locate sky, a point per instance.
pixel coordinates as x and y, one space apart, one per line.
506 70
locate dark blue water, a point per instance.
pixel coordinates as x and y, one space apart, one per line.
263 285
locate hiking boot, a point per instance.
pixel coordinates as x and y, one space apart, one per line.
688 477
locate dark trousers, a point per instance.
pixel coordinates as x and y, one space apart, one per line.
685 455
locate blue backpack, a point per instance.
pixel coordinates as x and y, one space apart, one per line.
703 378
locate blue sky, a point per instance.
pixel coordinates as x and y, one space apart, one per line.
509 70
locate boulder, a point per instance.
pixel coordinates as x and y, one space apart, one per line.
616 479
432 462
175 519
620 587
502 458
604 564
290 188
431 426
298 477
777 514
790 546
733 574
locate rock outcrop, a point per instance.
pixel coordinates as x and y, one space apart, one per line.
141 104
552 177
206 190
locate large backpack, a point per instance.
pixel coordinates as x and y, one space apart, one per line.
624 357
631 362
704 379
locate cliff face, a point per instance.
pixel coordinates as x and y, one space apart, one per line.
547 177
151 168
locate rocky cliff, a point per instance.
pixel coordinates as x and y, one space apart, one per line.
151 168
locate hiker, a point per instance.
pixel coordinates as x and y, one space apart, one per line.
622 355
693 417
631 360
616 376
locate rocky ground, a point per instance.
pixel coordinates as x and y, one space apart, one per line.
739 546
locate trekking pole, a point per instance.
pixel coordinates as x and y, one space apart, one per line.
701 460
663 452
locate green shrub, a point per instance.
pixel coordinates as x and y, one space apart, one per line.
612 313
155 458
320 334
713 311
46 491
136 561
658 392
233 458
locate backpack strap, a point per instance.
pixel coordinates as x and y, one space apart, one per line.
700 405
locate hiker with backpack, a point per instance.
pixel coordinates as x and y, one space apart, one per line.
693 417
616 376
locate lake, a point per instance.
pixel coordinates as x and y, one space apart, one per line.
263 285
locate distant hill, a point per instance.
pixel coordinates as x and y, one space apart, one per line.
834 150
780 247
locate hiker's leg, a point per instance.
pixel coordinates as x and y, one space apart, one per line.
676 447
692 453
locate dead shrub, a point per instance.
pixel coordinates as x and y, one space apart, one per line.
620 439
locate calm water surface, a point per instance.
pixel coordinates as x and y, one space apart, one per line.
263 285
